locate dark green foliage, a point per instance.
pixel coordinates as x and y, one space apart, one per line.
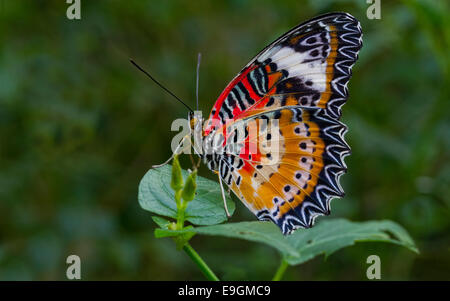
80 127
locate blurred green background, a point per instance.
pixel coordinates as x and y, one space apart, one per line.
80 126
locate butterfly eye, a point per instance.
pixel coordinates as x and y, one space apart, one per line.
192 122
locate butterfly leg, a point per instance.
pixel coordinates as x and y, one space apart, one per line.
176 152
194 165
223 195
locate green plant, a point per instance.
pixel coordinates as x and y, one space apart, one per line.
199 202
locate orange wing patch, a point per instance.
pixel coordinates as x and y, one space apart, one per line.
289 168
330 67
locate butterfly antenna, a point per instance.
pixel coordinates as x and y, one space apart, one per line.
199 59
159 84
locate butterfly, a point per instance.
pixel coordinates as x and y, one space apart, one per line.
299 82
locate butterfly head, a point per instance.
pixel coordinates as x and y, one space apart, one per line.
195 121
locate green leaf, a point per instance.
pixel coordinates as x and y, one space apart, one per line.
161 222
326 237
156 196
330 236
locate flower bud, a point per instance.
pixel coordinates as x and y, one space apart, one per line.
190 187
177 179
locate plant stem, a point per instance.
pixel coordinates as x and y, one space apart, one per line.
209 274
180 215
280 271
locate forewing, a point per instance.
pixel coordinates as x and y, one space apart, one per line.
309 66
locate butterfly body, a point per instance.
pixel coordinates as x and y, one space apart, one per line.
274 135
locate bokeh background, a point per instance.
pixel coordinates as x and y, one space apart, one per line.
80 126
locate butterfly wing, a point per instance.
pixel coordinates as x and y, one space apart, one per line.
309 66
294 173
300 80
